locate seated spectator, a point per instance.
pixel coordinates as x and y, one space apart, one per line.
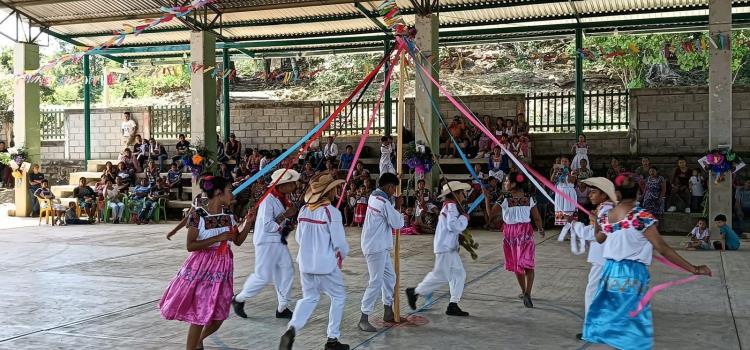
484 144
696 191
679 197
307 172
110 171
266 158
360 174
347 158
499 126
151 173
729 239
139 198
86 198
497 162
174 179
114 200
122 187
742 205
509 129
253 161
456 129
58 210
583 172
522 127
71 216
35 182
224 172
614 169
181 149
233 148
6 177
127 157
221 155
126 174
99 189
699 236
139 153
331 169
330 150
157 153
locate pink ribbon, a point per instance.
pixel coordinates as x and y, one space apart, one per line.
375 110
662 286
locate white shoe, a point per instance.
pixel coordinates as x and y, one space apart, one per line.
672 209
687 210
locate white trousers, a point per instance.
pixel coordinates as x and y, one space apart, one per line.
117 209
382 280
448 269
595 275
331 284
273 265
387 168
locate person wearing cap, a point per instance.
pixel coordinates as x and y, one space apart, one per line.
517 209
604 197
273 262
448 266
381 219
322 248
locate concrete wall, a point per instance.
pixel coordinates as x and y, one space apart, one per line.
272 124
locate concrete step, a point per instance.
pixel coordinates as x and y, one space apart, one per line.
95 165
178 204
91 176
63 191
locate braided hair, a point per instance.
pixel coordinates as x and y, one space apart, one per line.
211 184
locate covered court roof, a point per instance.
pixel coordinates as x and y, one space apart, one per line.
283 27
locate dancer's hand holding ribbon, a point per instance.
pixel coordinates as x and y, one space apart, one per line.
339 260
702 270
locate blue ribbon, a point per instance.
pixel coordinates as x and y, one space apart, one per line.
281 157
476 203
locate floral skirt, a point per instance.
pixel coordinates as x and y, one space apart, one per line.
519 247
359 213
202 290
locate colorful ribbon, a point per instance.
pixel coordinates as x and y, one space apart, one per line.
662 286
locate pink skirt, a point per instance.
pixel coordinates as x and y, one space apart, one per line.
359 213
202 290
518 247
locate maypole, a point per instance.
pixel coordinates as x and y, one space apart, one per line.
399 171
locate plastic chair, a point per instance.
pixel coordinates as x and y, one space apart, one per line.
106 211
46 212
160 207
128 212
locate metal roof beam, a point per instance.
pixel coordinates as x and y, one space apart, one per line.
373 19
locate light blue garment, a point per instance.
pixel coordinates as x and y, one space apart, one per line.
623 285
730 238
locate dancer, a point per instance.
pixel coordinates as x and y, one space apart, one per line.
448 266
518 208
273 262
581 149
322 248
386 150
603 196
201 292
631 236
377 241
565 182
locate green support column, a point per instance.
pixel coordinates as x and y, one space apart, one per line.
579 82
86 111
26 119
225 95
387 97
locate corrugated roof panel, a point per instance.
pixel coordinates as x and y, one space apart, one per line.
107 28
72 10
296 12
313 28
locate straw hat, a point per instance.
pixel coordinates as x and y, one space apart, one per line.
282 176
319 186
604 185
454 186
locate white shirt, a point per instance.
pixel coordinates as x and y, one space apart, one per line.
266 229
128 128
698 234
450 224
206 233
516 210
381 219
696 187
629 244
112 193
596 249
330 150
385 154
320 235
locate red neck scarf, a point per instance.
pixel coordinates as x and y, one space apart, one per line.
285 201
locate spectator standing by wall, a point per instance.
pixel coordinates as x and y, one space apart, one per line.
679 198
129 127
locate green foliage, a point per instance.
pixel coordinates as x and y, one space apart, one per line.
248 68
340 74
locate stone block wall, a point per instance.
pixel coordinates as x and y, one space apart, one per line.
272 124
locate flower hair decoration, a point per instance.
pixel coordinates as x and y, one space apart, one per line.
520 178
622 179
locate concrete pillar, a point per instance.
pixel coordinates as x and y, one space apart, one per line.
427 40
719 105
26 119
203 93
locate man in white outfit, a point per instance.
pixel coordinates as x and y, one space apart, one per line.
330 150
377 241
448 266
273 262
386 150
322 248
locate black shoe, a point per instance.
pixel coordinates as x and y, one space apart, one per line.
412 296
454 310
239 308
287 340
364 325
284 314
333 344
579 336
527 301
388 315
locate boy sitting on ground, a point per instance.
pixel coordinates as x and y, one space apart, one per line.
729 239
699 236
71 216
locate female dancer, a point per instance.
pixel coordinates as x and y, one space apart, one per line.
518 209
201 293
565 182
631 236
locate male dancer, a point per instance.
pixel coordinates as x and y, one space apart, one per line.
322 248
377 241
448 266
273 262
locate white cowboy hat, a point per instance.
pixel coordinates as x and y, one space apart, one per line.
282 176
320 185
604 185
454 186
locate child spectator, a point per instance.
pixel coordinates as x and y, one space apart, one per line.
254 161
456 129
583 172
181 148
58 210
307 172
508 130
71 216
699 236
152 173
265 160
121 186
696 191
496 164
386 150
361 207
86 197
350 203
499 126
233 148
331 168
742 204
484 146
110 171
174 179
729 239
224 172
157 153
516 149
347 158
361 175
139 196
114 199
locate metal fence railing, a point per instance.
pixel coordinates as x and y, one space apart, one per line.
603 110
167 122
52 124
353 118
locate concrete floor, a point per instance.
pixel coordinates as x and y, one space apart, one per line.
98 287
